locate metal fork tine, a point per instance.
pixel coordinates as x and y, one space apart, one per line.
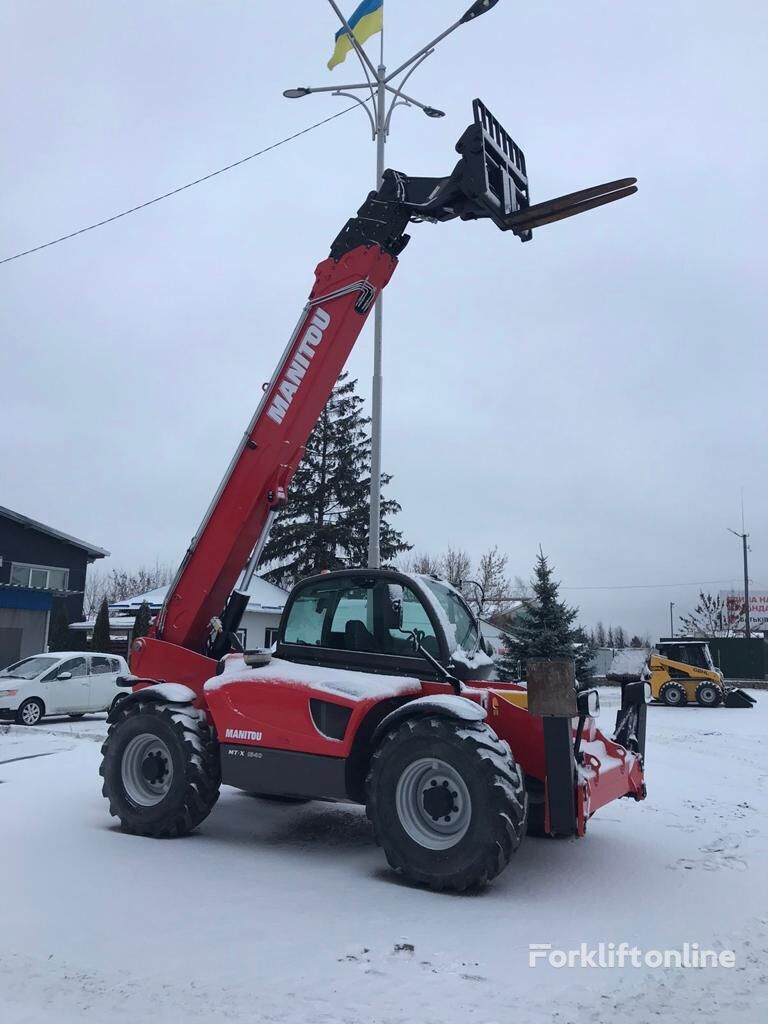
558 209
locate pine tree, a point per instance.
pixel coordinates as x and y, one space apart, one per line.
545 629
600 637
619 637
325 523
142 621
610 641
58 628
100 639
636 642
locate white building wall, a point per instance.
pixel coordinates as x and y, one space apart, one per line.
255 624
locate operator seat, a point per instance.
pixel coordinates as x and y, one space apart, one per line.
357 637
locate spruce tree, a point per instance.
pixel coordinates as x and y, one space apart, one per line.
600 638
100 639
545 629
325 523
58 628
142 621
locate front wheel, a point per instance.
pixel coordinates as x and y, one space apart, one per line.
708 695
30 712
447 802
160 765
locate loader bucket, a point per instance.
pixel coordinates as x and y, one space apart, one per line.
738 698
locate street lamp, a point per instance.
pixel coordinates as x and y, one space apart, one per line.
383 95
671 620
744 536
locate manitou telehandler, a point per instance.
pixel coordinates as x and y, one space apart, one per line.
380 691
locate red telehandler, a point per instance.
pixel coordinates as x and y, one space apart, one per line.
380 690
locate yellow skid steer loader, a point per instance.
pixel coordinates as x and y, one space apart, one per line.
682 672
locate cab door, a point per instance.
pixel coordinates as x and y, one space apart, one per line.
66 687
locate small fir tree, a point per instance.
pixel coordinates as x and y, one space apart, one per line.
100 640
142 621
58 630
545 629
600 638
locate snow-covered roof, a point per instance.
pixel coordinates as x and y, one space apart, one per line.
264 597
115 622
32 524
628 662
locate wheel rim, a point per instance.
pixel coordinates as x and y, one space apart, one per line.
146 770
433 803
707 695
30 713
673 696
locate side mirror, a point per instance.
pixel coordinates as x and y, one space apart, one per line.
64 675
588 702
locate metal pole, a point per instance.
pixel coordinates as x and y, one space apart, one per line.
374 521
671 620
747 632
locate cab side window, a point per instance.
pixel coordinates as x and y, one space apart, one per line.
101 666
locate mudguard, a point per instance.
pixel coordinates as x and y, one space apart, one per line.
165 693
447 705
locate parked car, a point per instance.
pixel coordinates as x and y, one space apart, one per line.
61 683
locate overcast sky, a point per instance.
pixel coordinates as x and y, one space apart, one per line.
600 391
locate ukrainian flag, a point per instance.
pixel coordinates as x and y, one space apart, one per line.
367 20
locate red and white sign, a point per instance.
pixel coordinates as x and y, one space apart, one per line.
734 604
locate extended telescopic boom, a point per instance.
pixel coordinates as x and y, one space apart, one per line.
489 182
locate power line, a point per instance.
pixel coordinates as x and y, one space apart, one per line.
653 586
175 191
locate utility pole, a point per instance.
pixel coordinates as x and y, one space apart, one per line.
382 90
745 546
671 620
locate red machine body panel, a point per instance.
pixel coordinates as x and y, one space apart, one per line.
266 709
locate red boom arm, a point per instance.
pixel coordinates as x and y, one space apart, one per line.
258 476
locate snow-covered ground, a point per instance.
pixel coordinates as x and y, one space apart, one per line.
289 914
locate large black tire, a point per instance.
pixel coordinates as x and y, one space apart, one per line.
161 771
429 766
673 695
708 695
30 712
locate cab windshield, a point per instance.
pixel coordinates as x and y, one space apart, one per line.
28 669
465 631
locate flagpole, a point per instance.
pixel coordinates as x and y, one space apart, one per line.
380 117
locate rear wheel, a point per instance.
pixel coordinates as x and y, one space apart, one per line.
160 768
447 802
30 712
708 695
673 695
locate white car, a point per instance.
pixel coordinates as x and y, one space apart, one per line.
61 683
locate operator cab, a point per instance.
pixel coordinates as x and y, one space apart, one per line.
383 621
693 653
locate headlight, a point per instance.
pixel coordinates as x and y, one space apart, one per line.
8 693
